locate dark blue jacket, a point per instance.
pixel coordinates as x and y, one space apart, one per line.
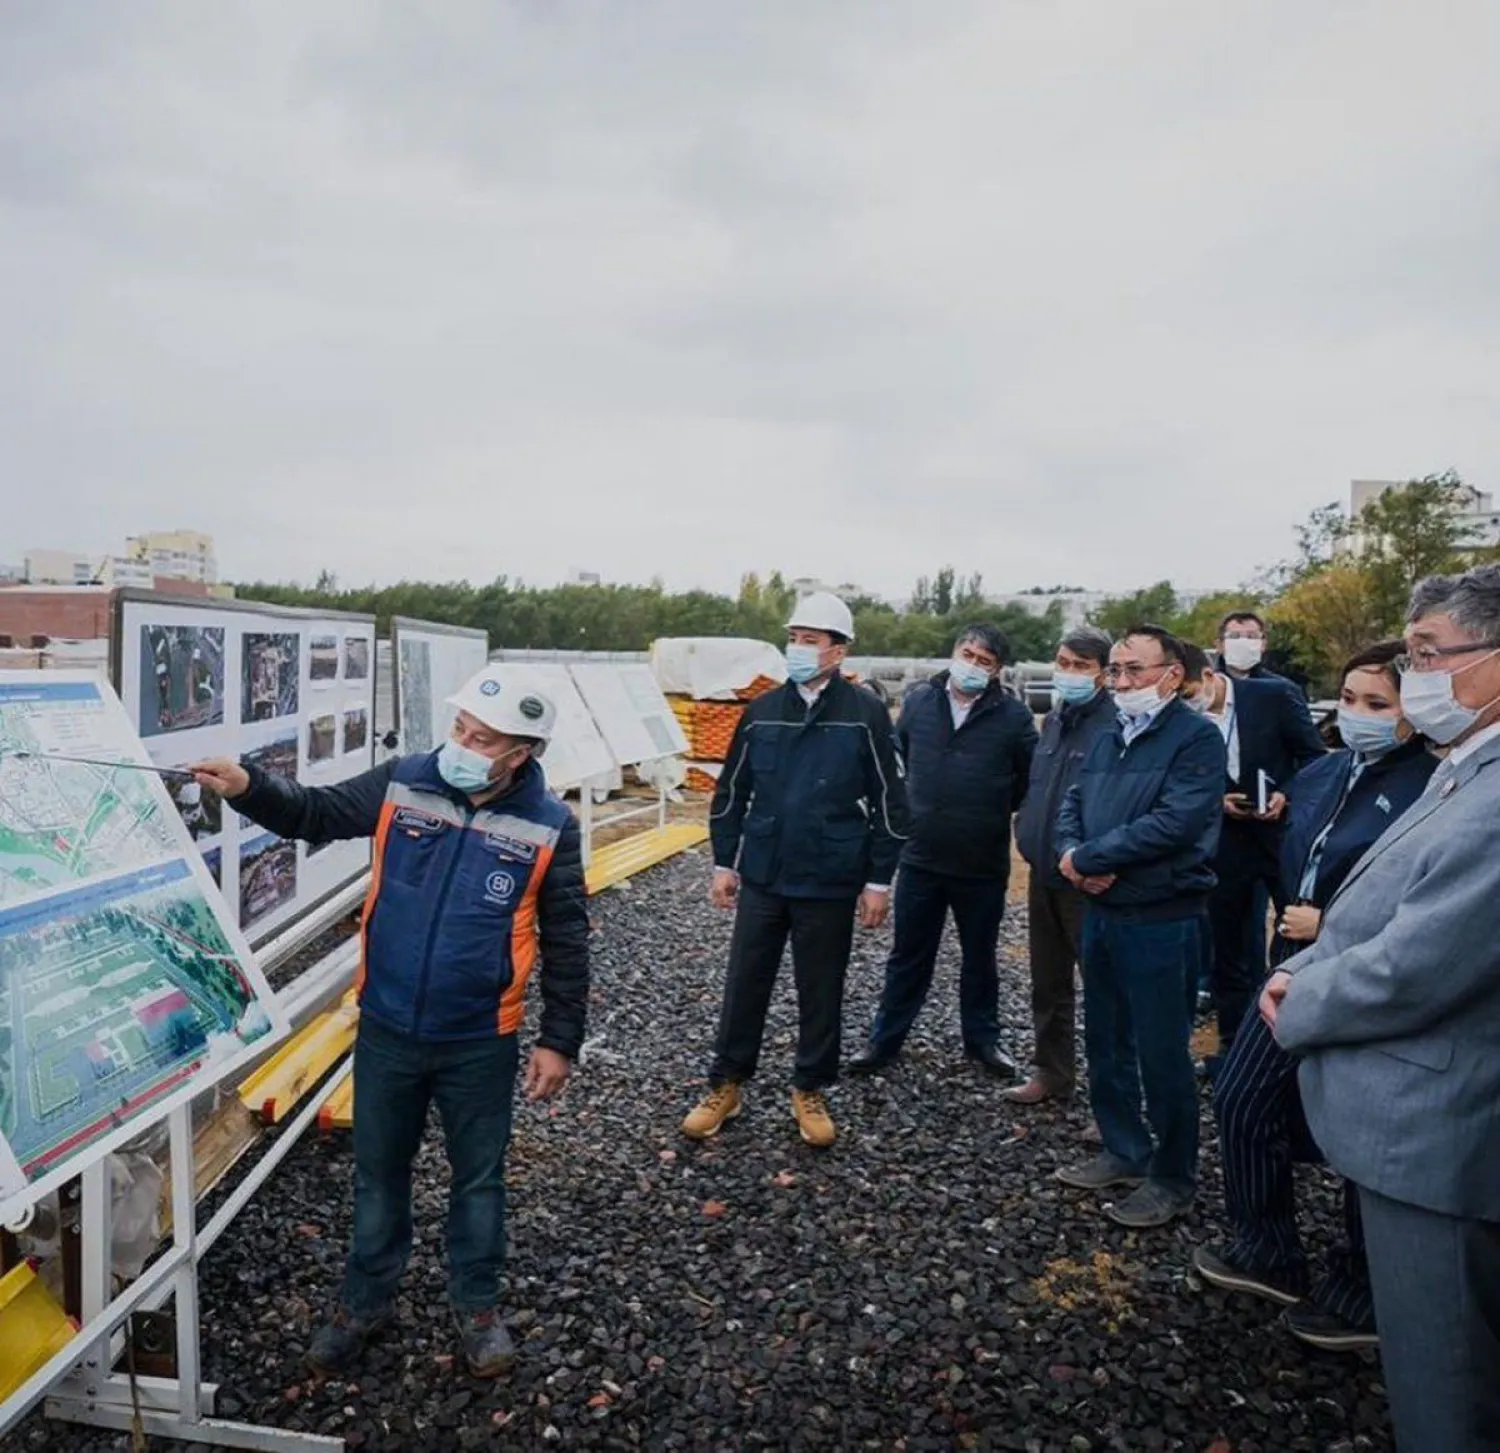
1276 731
1149 813
1068 735
811 802
461 899
962 786
1385 789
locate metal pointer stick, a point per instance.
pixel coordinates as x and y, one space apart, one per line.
173 774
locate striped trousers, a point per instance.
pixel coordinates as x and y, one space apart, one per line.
1262 1135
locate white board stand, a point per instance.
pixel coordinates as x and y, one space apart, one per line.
79 1384
587 824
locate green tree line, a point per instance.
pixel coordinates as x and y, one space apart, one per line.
1347 586
630 617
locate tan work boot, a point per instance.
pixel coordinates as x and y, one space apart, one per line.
721 1103
813 1119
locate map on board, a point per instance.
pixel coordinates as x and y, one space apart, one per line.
122 981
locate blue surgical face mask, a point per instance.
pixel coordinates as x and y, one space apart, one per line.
1370 736
463 768
968 678
1073 687
803 663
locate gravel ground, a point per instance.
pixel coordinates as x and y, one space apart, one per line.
925 1285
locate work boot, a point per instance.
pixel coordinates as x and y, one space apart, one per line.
1033 1092
340 1340
1105 1172
721 1103
994 1059
1149 1206
1328 1331
813 1119
487 1348
872 1059
1219 1267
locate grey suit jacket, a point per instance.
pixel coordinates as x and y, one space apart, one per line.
1396 1007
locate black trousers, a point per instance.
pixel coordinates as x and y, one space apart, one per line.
822 934
1262 1135
1248 869
923 902
1054 927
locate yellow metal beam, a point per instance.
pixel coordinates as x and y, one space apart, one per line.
33 1327
624 859
274 1089
338 1109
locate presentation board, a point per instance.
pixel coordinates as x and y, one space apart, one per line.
431 662
577 752
291 691
631 712
125 985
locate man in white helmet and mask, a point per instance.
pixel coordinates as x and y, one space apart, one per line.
477 874
807 824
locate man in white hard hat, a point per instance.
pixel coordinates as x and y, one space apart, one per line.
807 825
476 868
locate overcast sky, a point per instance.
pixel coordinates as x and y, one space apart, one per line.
1056 290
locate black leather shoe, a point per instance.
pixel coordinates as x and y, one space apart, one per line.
871 1060
995 1060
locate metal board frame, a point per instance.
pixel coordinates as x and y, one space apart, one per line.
413 626
276 921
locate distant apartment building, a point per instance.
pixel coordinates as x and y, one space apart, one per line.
1477 509
147 559
175 554
1074 604
810 585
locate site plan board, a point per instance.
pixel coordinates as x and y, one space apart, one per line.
123 984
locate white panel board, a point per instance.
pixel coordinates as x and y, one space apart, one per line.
577 752
125 986
631 712
290 691
431 662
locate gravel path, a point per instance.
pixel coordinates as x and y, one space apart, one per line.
925 1285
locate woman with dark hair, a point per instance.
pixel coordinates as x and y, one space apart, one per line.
1337 807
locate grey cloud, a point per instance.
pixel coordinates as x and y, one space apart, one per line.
516 287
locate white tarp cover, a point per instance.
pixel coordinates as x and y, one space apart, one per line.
713 668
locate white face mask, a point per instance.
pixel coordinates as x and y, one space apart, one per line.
1243 653
1137 702
1428 703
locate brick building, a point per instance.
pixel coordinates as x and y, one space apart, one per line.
34 615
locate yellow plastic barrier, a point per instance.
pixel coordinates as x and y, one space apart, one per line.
632 855
32 1327
274 1089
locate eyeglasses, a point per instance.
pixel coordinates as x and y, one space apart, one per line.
1135 672
1425 658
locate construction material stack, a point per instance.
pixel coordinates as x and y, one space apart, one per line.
708 681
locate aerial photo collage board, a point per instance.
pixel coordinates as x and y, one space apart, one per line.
125 986
293 694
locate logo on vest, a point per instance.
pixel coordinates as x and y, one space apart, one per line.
499 888
510 847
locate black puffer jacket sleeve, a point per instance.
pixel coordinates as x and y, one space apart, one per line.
315 814
563 922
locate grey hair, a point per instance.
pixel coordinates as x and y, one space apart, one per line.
1471 599
1090 642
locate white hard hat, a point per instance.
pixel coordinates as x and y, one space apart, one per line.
510 699
823 611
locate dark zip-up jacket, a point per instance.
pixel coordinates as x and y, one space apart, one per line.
963 785
1068 735
1149 813
1385 789
461 898
812 801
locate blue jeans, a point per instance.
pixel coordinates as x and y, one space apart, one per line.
1138 976
923 900
472 1083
